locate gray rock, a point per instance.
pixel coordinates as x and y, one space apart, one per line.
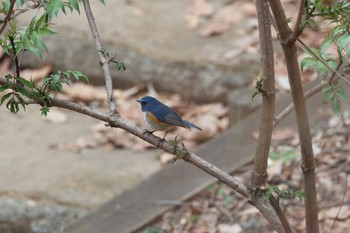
25 215
157 47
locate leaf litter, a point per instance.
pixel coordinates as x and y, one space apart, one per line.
218 209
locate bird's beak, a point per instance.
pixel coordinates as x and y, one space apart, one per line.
138 101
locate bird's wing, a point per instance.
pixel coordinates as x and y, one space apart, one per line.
168 116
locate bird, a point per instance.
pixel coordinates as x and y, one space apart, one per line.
159 117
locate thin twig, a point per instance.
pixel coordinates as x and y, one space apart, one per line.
281 215
8 16
296 29
103 60
290 107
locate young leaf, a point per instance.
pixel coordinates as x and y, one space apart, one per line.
25 82
24 92
5 97
5 87
75 5
336 106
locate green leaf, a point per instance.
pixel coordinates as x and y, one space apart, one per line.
328 96
75 5
308 63
25 82
102 1
326 43
336 106
46 32
5 97
121 66
332 64
40 22
341 95
284 156
314 50
343 40
20 101
44 110
12 105
348 52
321 69
53 7
24 92
5 87
327 88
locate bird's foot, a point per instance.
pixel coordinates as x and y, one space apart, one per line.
160 142
145 131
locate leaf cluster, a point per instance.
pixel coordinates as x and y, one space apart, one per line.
119 65
283 194
285 156
320 59
20 88
17 40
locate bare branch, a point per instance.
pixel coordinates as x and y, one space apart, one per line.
259 173
308 165
297 24
8 16
290 107
103 60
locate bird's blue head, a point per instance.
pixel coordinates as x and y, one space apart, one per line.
147 102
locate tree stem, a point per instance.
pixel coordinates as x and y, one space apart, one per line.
103 60
294 76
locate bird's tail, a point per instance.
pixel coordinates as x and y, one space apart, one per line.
190 125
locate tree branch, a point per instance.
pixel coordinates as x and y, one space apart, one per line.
308 166
297 24
259 173
8 16
103 60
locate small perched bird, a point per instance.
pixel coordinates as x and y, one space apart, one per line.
159 117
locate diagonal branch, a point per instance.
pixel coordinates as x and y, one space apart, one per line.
103 60
258 201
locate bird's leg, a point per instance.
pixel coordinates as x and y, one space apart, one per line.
145 131
163 139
